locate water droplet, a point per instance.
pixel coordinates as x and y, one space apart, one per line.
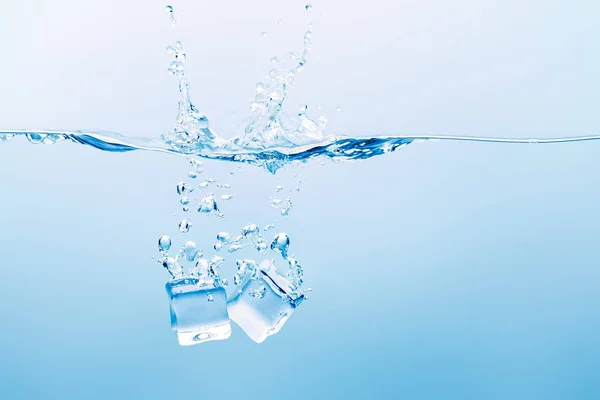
308 7
164 244
224 282
338 109
278 188
184 226
281 243
319 106
269 227
260 87
226 196
280 22
274 60
193 174
203 185
303 107
184 200
210 297
191 251
171 15
264 34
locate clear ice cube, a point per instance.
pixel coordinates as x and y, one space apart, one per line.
263 303
198 312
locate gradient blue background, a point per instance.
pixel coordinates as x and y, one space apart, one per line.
444 271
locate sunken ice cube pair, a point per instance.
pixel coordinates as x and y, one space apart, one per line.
260 307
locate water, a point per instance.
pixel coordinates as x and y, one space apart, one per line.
264 296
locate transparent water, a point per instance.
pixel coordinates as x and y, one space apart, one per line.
451 262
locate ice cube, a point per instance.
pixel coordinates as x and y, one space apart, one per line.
198 312
263 303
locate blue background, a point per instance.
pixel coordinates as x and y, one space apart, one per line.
443 271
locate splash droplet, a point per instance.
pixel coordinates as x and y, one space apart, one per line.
226 196
172 267
308 7
164 244
191 251
280 244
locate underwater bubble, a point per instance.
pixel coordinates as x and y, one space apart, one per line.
184 200
262 246
224 237
216 261
258 293
196 164
184 226
224 282
287 207
234 247
184 188
191 251
208 205
164 244
226 196
210 297
281 243
251 229
172 267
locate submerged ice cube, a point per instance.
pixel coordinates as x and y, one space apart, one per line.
198 312
263 303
